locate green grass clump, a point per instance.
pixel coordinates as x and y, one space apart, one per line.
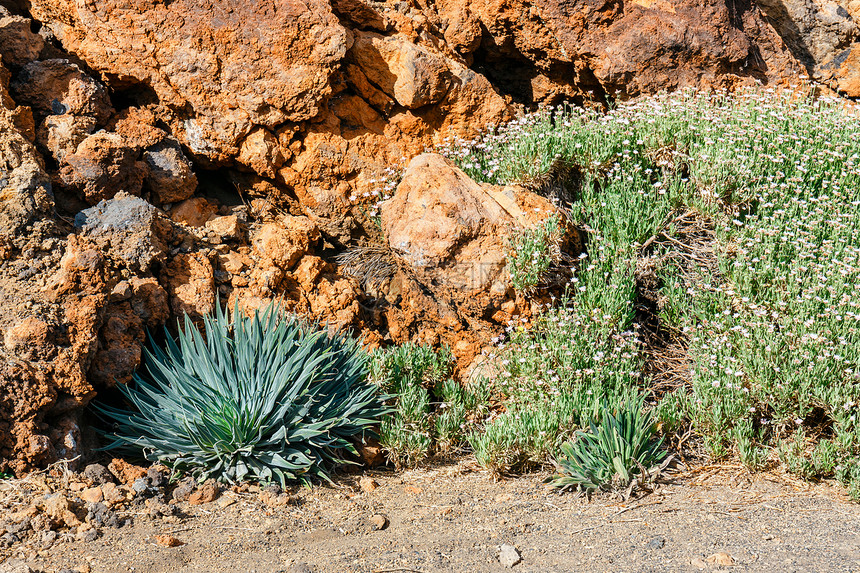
262 398
769 317
613 453
431 412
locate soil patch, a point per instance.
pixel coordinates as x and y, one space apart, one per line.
455 518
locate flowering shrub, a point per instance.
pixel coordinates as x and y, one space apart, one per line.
773 331
532 252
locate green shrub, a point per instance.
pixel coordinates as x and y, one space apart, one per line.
431 412
768 315
532 252
613 452
263 397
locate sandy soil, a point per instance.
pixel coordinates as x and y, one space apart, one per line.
452 518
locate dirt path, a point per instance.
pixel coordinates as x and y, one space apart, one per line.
452 519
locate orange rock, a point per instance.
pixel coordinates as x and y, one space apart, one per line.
126 472
206 493
112 494
412 75
367 484
282 244
57 507
190 284
227 227
847 76
193 212
167 540
260 151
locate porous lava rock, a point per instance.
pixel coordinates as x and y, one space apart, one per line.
103 164
57 87
453 236
25 187
19 45
128 228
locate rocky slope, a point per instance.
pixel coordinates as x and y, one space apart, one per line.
156 155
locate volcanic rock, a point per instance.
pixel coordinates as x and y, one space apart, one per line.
62 134
170 176
25 188
410 74
453 235
189 280
19 45
57 87
128 228
101 166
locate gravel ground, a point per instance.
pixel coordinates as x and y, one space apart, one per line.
451 518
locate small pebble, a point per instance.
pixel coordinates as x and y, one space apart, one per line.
509 556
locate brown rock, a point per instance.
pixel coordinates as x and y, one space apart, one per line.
410 74
119 352
454 235
43 392
112 494
378 522
256 64
183 491
62 134
102 165
30 339
24 187
92 495
167 540
441 219
367 484
360 14
126 472
847 75
19 45
722 559
208 492
123 333
58 508
56 87
309 270
98 474
282 244
227 227
371 453
169 176
190 283
261 152
149 301
193 212
226 502
815 32
234 262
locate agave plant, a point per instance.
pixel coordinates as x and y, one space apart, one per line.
613 452
264 397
